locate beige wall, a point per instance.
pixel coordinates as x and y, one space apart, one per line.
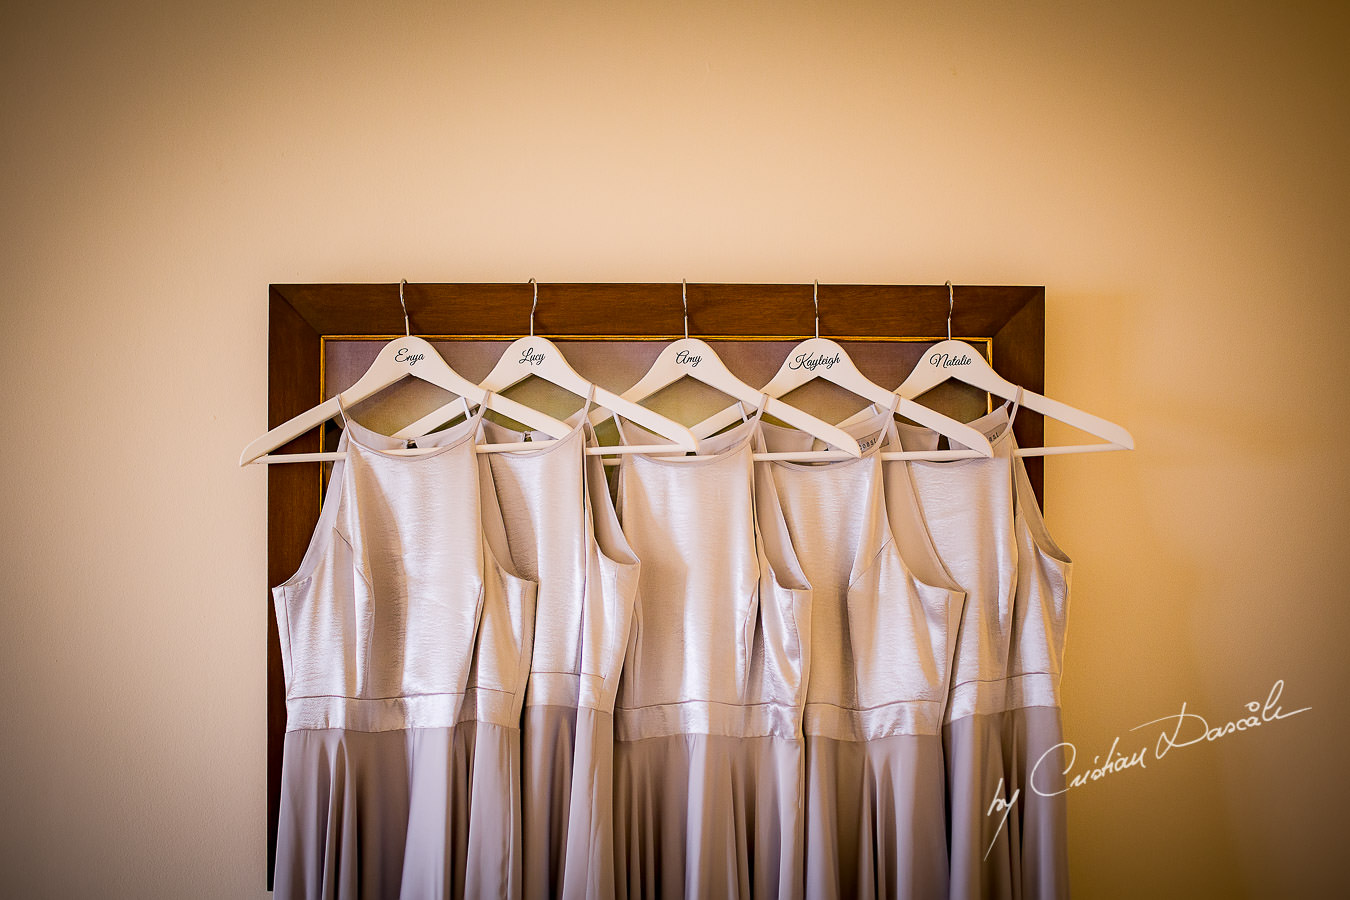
1175 178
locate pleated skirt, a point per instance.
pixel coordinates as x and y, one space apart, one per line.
875 818
980 849
1038 826
699 815
417 814
1017 849
567 792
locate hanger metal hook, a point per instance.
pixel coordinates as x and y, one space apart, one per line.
407 328
815 301
951 304
533 305
684 299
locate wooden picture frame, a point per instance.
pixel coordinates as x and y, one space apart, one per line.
302 317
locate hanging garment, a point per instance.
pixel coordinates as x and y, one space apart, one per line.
563 534
405 644
967 507
1033 733
882 610
1035 830
708 749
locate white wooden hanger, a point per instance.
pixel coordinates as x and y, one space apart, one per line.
539 357
694 358
820 357
406 356
959 360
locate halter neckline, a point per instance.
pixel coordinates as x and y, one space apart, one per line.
367 439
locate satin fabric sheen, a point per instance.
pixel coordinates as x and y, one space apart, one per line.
406 641
1033 732
708 749
1003 721
563 534
813 684
880 661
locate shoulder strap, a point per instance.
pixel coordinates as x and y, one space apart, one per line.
1017 403
584 414
477 418
890 432
759 411
341 410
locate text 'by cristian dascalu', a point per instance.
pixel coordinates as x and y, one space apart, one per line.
1183 729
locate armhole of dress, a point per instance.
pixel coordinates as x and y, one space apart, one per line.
328 519
905 517
609 536
491 522
770 524
1030 511
909 529
623 471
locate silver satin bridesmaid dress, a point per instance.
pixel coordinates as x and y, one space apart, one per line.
1033 733
1029 855
402 637
883 610
563 534
708 749
968 509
